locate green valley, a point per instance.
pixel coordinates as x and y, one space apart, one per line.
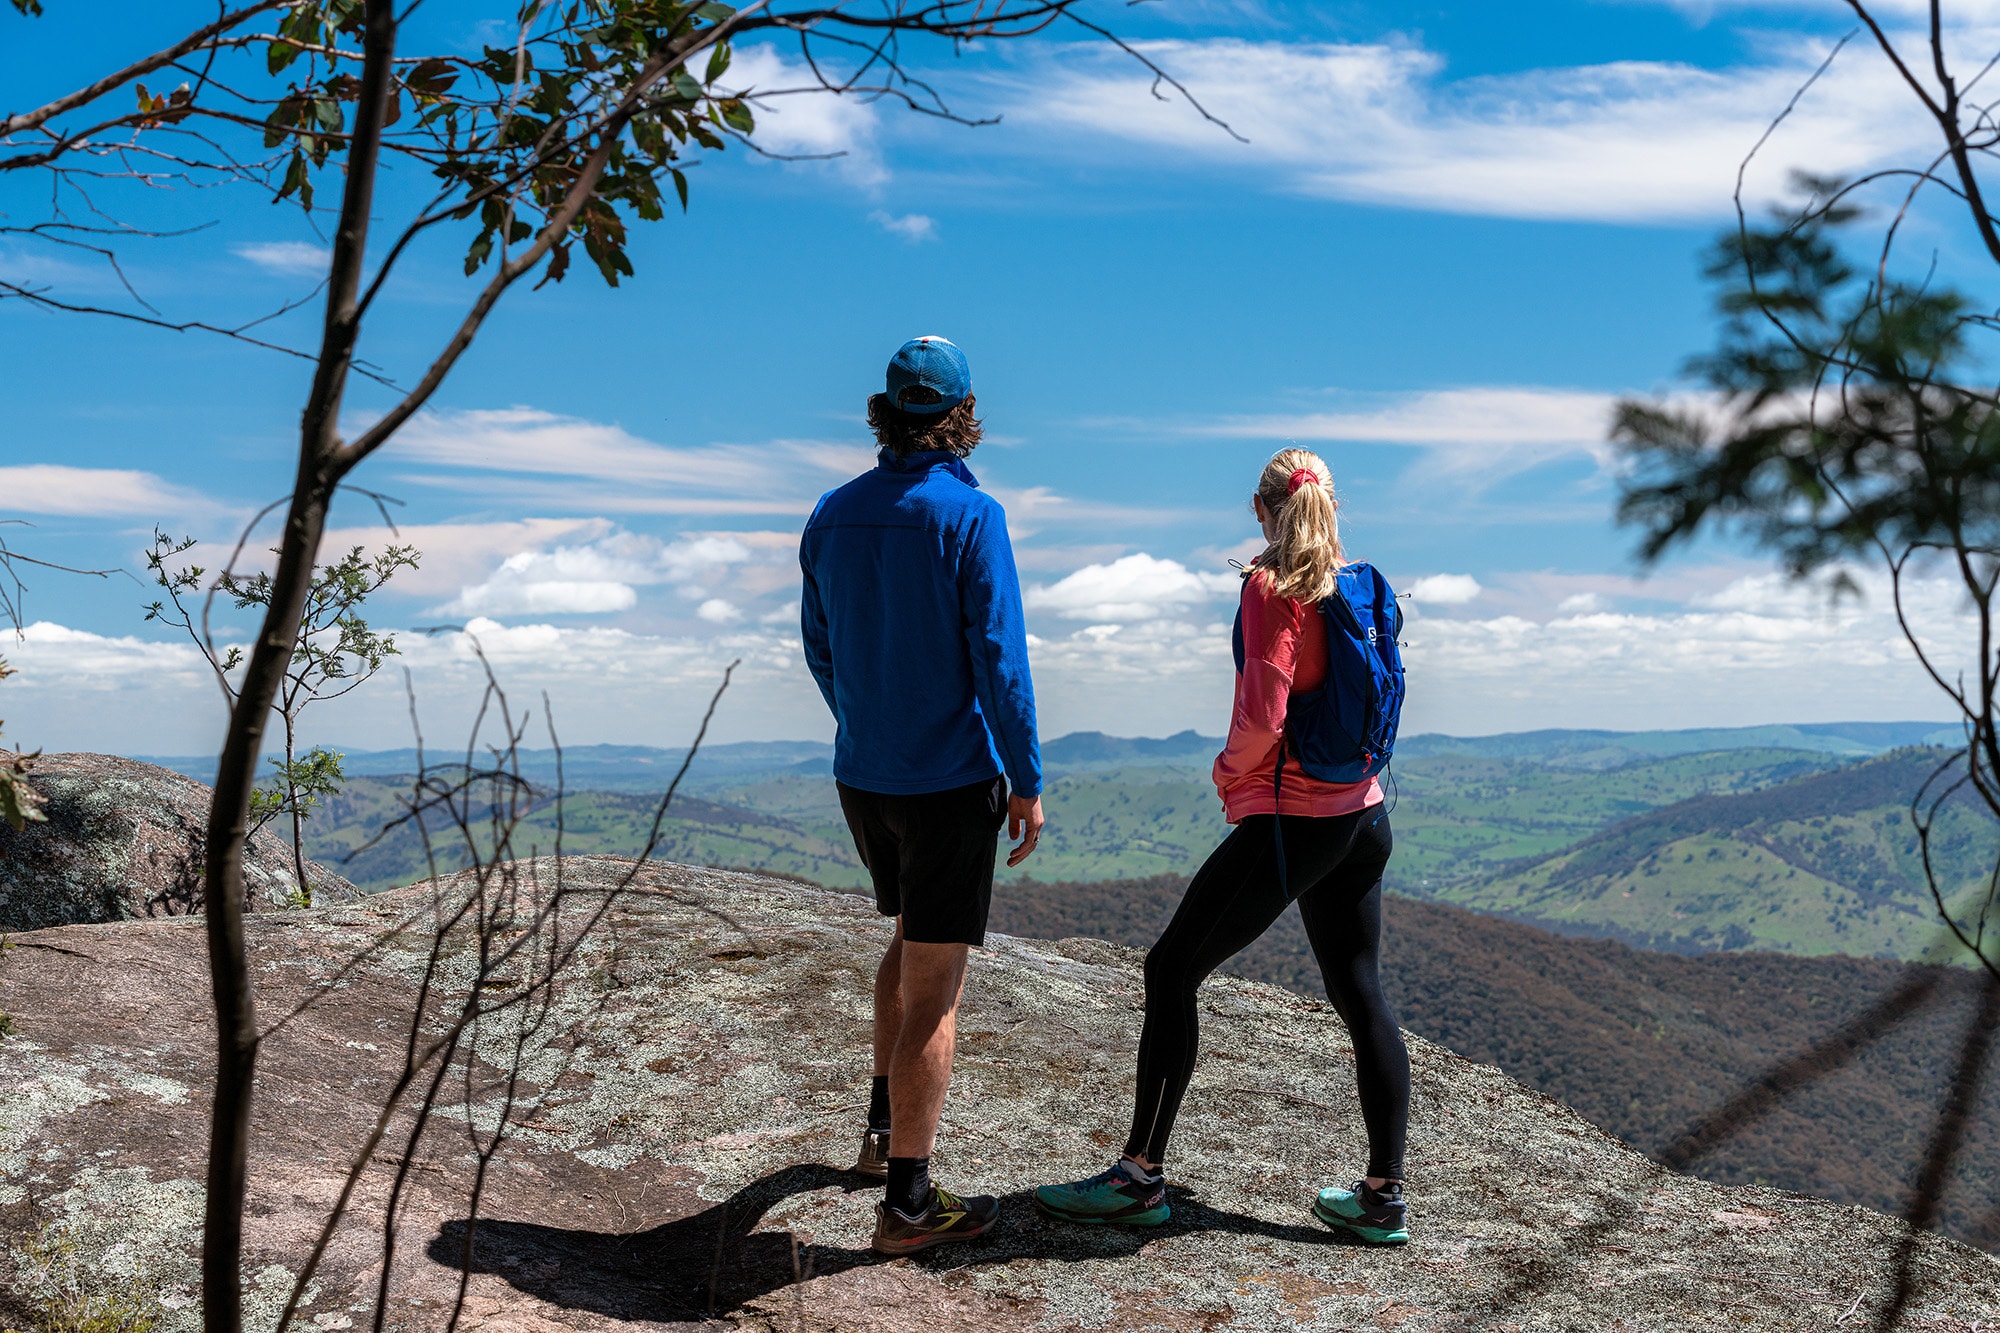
1818 865
1788 839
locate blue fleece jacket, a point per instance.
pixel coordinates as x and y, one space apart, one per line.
913 628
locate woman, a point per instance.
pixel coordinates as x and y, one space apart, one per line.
1336 843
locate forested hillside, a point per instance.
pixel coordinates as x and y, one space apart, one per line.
1821 864
1642 1043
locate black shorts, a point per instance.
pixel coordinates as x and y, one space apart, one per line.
931 856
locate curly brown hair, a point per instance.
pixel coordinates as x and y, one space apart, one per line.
904 433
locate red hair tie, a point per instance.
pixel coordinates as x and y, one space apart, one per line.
1300 477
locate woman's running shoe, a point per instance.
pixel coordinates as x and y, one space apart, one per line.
1375 1218
874 1159
948 1218
1112 1195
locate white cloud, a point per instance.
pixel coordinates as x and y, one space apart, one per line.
1960 11
912 227
49 656
1382 123
619 472
123 695
601 576
718 611
1762 649
299 257
455 555
1132 588
1468 430
1758 649
1581 604
1446 589
51 488
540 597
797 118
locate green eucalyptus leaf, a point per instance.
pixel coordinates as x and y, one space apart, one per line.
718 62
476 253
297 176
736 115
715 12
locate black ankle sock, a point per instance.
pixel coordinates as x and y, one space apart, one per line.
878 1103
1391 1192
909 1185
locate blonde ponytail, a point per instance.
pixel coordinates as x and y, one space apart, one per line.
1303 559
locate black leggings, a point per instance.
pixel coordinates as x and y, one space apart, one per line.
1233 900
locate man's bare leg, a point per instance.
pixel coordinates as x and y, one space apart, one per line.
889 1002
931 978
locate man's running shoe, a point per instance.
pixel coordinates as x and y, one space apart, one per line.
1111 1195
1375 1218
874 1159
948 1218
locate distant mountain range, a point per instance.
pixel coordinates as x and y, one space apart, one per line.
645 767
1612 749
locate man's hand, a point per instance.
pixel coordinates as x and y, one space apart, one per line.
1024 821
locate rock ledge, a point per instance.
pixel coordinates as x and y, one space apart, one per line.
684 1115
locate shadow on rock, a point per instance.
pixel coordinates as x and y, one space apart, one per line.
715 1261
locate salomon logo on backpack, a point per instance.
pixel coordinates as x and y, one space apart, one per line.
1345 731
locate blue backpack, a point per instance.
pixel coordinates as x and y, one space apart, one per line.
1345 731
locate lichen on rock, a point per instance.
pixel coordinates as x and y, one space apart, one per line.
124 840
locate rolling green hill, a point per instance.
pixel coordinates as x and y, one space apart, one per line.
1817 865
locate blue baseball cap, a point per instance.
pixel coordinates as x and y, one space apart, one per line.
931 363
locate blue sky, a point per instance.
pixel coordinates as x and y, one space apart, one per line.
1456 234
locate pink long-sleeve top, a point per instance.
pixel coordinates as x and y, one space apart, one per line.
1284 649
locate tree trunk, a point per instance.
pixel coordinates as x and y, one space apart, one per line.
298 819
228 961
319 474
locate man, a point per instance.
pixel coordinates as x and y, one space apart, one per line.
912 627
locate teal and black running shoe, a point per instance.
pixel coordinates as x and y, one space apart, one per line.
1109 1196
1374 1218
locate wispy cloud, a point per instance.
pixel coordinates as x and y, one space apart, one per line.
1382 123
51 488
610 470
1493 429
1474 415
796 118
912 227
298 257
